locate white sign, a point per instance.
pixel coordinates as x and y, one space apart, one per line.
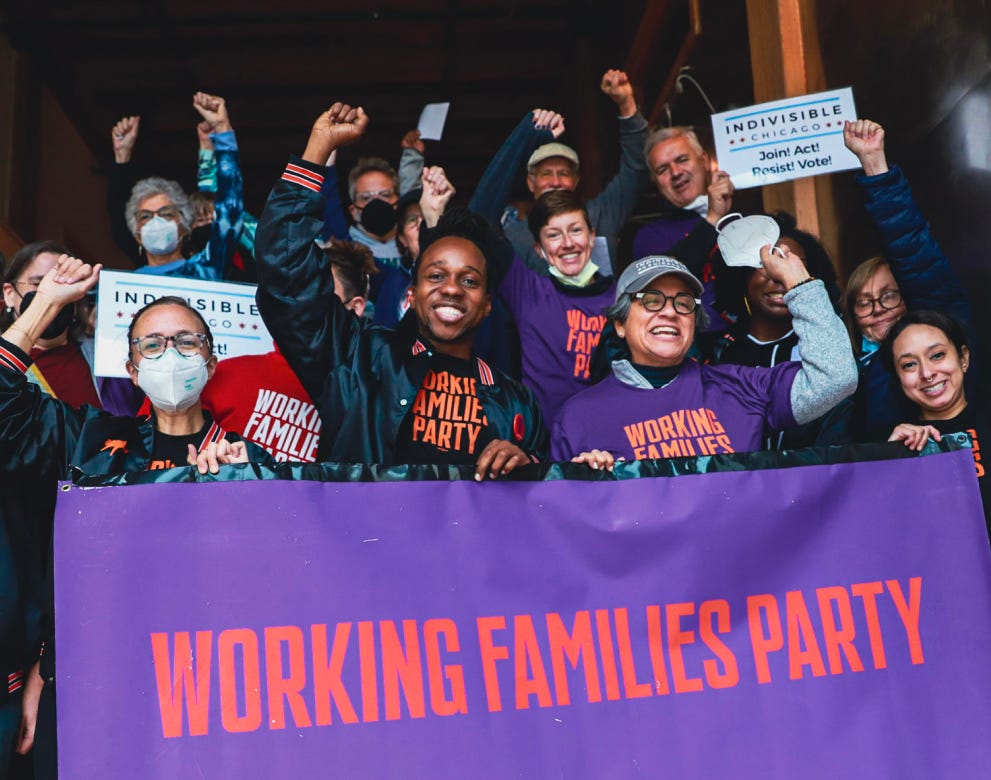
432 119
228 308
786 139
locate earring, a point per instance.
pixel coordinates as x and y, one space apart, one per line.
9 310
746 305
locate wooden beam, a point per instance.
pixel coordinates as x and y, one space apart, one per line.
684 54
786 61
648 31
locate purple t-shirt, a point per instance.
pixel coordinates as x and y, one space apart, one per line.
657 238
705 410
558 332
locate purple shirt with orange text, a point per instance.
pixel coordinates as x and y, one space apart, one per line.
705 410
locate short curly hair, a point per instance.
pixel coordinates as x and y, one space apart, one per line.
155 185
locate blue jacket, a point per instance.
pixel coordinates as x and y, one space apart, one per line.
926 281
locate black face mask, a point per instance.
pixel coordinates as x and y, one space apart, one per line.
198 239
61 322
378 217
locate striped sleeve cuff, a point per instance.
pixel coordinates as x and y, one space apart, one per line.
15 682
12 357
303 174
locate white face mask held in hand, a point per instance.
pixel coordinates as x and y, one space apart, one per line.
160 236
173 382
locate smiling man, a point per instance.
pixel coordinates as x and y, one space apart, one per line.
685 177
416 394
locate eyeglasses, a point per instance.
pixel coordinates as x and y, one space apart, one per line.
186 344
654 300
362 199
166 212
890 299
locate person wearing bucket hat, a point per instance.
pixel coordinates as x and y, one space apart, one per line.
657 404
555 166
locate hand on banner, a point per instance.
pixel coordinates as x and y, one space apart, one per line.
437 192
721 191
124 136
29 708
866 140
616 84
340 125
499 458
217 454
598 460
914 436
412 141
544 119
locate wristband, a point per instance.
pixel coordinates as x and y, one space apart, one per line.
804 281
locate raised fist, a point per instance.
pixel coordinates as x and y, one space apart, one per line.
866 140
548 120
203 131
124 136
437 192
619 89
412 141
213 109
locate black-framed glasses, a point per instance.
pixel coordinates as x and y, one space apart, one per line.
166 212
654 300
890 299
186 344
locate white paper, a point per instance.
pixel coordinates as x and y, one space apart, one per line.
785 139
432 119
229 309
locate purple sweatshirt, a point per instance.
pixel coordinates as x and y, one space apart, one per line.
559 328
657 238
705 410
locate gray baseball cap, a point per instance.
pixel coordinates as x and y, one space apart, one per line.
645 270
547 151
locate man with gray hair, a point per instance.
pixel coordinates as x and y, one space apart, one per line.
701 195
687 178
373 186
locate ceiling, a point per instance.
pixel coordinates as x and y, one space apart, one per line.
280 64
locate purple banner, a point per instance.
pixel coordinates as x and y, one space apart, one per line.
814 622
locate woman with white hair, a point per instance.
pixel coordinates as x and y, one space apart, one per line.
160 216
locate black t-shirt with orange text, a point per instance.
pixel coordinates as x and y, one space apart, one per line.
446 423
972 422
